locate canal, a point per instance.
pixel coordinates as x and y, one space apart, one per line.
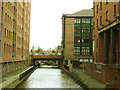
49 78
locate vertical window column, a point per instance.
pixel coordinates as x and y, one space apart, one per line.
112 46
105 48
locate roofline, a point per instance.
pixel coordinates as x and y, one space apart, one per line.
76 16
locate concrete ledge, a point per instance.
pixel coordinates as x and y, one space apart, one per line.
14 81
77 80
84 83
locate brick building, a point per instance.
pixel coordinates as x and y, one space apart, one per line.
14 34
106 36
77 36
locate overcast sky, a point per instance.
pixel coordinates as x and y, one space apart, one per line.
46 23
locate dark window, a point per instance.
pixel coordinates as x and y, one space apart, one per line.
97 22
107 15
94 12
101 5
5 32
97 8
114 10
100 20
106 1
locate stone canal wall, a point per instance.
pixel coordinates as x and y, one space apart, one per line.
15 80
84 80
75 78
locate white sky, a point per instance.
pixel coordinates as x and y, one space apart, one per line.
46 23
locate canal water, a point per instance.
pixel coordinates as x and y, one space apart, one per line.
49 78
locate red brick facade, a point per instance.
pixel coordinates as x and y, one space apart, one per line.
106 36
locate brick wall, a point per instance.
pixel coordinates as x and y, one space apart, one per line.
108 74
105 7
69 38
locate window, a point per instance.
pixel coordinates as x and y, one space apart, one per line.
106 1
97 8
77 20
76 50
82 40
94 12
101 5
97 22
78 41
85 50
114 10
100 20
91 21
106 15
5 32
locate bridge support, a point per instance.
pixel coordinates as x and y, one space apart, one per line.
60 63
33 62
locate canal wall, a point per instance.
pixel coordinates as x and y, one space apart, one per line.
9 67
75 78
15 80
84 80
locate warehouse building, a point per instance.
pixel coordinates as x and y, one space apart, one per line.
106 36
14 34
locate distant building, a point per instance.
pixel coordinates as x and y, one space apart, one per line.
106 36
77 28
14 34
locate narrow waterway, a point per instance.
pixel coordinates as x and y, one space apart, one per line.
49 78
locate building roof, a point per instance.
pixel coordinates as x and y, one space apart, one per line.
81 13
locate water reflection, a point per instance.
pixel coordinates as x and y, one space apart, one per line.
48 78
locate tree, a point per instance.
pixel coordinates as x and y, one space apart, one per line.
39 50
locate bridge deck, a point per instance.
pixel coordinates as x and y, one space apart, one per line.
47 56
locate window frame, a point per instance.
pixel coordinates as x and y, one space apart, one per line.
106 1
97 22
100 20
97 8
101 5
106 15
115 10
